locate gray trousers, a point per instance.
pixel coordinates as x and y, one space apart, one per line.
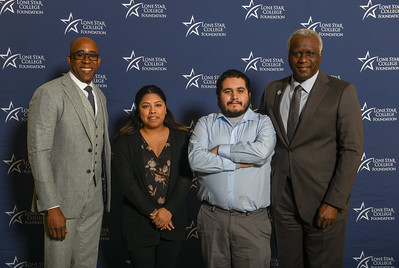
80 246
234 239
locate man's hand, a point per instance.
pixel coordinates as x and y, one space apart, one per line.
162 218
326 216
56 223
245 165
214 150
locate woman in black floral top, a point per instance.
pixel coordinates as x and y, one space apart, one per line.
151 166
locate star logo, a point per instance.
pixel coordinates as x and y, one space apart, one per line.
192 79
367 62
366 112
370 10
132 9
15 165
133 61
16 263
363 212
192 26
129 111
252 10
15 216
192 231
12 113
71 24
365 162
362 260
9 59
251 62
310 24
7 6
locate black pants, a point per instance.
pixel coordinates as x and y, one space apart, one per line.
165 255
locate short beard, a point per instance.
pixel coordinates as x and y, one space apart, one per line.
233 114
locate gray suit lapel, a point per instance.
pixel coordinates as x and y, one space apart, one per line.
73 95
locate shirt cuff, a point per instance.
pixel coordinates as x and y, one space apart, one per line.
224 150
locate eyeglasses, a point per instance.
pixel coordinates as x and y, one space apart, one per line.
79 55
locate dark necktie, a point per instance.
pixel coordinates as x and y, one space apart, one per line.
293 115
90 97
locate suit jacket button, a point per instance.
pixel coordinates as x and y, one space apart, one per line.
88 171
90 150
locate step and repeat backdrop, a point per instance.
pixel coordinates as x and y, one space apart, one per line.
183 47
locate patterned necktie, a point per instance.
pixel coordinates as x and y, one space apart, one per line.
293 116
90 97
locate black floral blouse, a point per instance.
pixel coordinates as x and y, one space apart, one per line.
157 171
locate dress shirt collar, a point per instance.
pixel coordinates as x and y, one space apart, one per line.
248 116
307 85
79 83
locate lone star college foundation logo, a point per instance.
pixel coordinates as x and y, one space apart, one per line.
264 12
364 261
375 114
19 114
205 29
386 63
24 217
22 264
329 29
22 61
374 164
262 64
100 80
141 10
20 166
21 7
203 81
192 231
386 11
85 27
145 63
374 214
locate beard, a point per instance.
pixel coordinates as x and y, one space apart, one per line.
229 113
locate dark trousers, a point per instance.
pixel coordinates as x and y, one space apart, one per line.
164 255
301 244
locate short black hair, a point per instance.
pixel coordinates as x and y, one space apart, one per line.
232 73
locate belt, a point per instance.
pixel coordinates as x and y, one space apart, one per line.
231 211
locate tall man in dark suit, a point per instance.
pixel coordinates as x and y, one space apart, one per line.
68 145
319 147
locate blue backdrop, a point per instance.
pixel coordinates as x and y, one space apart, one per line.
183 46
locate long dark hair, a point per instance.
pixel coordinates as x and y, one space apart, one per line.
134 122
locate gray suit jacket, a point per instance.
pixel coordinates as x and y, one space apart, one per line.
325 153
58 147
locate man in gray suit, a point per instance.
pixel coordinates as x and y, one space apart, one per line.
319 146
68 146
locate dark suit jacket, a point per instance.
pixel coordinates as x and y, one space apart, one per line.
129 171
325 152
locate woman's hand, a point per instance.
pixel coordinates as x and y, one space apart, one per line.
162 218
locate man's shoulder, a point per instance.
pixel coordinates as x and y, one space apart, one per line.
333 80
210 117
53 85
279 81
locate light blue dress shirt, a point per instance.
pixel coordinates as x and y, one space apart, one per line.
252 140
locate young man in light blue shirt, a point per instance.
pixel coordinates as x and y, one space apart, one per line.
231 152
